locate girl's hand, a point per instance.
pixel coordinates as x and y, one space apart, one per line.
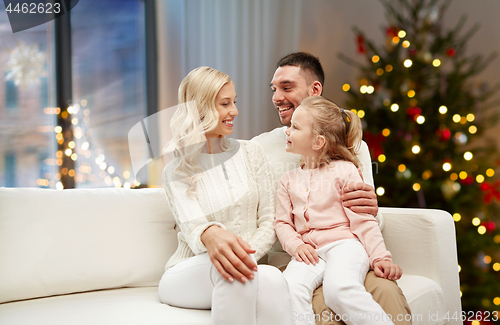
307 254
387 270
360 198
229 254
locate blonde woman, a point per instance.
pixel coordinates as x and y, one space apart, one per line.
221 193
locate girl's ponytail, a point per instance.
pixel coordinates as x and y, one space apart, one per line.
354 132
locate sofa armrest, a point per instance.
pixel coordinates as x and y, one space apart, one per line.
423 242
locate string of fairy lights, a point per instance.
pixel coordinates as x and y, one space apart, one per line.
92 162
451 186
460 137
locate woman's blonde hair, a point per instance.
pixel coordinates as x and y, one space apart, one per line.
196 115
341 129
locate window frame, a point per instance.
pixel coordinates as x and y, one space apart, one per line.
64 80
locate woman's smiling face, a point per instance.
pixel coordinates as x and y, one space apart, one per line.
225 103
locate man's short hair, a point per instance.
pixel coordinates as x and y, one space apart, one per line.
305 61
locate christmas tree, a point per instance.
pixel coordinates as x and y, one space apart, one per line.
425 116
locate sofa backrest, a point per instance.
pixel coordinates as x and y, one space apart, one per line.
57 242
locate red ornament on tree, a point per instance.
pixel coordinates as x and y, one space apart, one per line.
374 143
489 225
467 181
360 40
490 191
444 134
413 112
392 31
451 52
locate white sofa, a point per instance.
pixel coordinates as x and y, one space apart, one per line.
95 256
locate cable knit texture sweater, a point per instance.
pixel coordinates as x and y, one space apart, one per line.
236 194
310 211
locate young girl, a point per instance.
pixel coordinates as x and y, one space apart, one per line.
329 244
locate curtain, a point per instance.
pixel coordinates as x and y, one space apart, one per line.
243 38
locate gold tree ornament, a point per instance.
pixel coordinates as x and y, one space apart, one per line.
26 64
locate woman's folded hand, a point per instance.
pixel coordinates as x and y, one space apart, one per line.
229 254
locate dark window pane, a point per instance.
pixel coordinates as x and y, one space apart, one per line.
27 137
44 93
108 87
10 94
10 170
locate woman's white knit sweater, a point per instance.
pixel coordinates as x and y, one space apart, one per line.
235 192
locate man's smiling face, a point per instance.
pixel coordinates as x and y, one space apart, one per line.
289 87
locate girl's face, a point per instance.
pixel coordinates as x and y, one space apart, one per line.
300 137
225 105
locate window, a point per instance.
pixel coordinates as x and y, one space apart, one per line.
10 170
108 47
10 94
26 117
108 96
44 93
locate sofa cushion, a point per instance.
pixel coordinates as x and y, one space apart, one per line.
129 306
425 299
133 306
57 242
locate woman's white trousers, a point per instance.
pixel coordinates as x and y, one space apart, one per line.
196 283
